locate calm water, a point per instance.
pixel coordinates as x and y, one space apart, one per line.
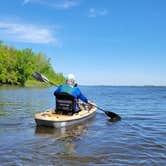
138 139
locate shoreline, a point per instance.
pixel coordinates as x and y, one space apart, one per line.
39 84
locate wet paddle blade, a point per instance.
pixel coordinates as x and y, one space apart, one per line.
40 77
114 117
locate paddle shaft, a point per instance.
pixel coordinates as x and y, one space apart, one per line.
114 117
97 107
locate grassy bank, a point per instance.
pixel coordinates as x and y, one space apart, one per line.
34 83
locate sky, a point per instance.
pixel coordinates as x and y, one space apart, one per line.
102 42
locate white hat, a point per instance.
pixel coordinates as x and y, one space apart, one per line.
70 77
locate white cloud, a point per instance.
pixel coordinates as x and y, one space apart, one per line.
95 13
65 4
57 4
26 33
26 2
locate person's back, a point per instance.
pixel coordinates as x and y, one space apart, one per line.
70 88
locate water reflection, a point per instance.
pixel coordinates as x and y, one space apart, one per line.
67 137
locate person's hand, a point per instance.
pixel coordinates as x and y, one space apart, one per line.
89 102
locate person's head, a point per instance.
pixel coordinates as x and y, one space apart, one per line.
70 79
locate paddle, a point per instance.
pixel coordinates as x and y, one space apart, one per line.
42 78
114 117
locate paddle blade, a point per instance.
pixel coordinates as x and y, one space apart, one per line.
114 117
40 77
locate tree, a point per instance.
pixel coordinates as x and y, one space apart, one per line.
17 66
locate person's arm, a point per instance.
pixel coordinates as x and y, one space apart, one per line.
81 96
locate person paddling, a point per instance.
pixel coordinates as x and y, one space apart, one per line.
114 117
70 87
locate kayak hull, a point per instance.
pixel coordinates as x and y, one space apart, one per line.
55 124
51 119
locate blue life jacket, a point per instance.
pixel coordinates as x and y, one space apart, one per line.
74 91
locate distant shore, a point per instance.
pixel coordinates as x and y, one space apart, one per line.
34 83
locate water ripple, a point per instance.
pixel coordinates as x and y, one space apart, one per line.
138 139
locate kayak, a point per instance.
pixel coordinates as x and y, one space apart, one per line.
74 130
50 118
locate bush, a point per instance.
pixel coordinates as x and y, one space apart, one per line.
17 66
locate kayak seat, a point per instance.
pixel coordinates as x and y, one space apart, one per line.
65 103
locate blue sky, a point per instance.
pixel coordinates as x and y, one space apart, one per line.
103 42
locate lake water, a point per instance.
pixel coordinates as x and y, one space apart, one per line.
138 139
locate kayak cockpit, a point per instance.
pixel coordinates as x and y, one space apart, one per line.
52 118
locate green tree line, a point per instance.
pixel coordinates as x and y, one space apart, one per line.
17 66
